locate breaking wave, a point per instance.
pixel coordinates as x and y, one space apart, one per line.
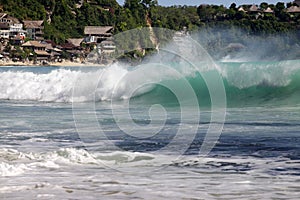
246 83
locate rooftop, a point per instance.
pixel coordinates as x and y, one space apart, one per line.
41 53
2 15
253 8
293 9
12 19
33 24
75 41
268 10
97 30
33 44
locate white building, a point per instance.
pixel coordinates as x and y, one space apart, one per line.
17 29
11 29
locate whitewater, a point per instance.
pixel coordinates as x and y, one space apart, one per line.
47 152
52 84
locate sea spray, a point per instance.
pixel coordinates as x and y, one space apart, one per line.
246 83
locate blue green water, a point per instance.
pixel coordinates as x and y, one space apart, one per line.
57 143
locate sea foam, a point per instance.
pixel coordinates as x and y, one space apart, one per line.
121 82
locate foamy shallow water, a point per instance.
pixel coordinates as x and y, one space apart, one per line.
70 173
256 158
44 156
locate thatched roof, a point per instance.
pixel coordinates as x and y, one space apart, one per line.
268 10
57 49
98 30
12 19
67 46
53 53
293 9
41 53
33 24
49 46
75 41
253 8
2 15
33 43
241 9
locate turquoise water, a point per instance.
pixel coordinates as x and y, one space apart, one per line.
95 142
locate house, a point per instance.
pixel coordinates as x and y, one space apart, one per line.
241 9
7 19
55 53
17 30
73 47
293 9
38 48
34 45
108 46
254 9
75 42
10 27
268 10
97 34
35 29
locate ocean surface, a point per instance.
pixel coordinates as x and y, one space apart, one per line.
128 133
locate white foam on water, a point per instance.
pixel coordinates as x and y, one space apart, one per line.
54 86
116 81
247 74
10 189
68 169
71 156
7 169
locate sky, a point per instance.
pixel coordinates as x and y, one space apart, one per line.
216 2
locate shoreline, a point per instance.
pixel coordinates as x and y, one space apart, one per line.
50 64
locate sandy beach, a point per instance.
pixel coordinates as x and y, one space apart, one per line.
55 64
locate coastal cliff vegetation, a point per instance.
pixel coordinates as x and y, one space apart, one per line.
65 19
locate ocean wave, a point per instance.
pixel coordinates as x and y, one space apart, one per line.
15 163
255 80
7 169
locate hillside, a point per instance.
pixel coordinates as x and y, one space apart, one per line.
67 18
64 18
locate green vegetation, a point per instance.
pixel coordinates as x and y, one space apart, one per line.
67 18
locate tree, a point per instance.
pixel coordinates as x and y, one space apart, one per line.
233 6
108 3
206 12
264 5
280 6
